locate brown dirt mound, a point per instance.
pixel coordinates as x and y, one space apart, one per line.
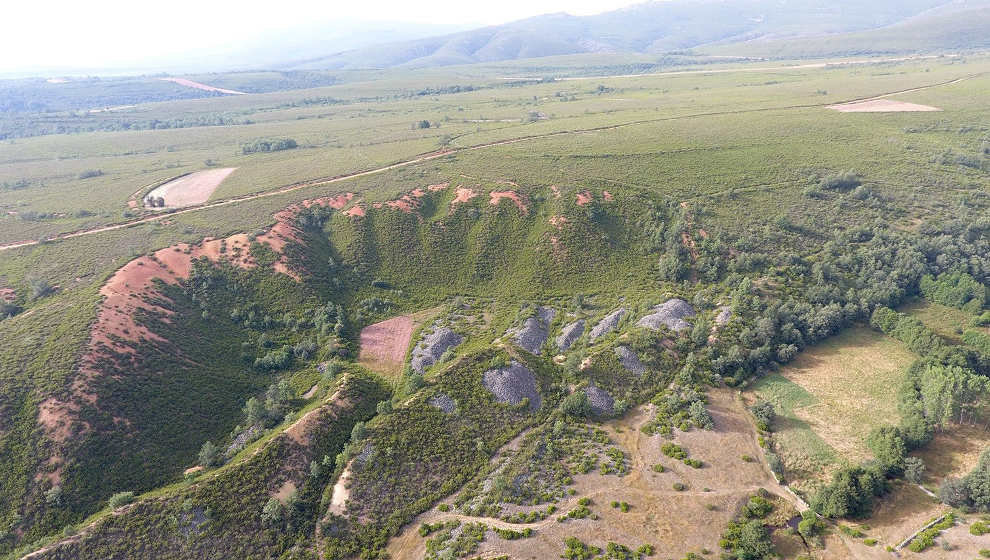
555 190
558 221
8 294
497 196
608 196
881 106
355 212
463 195
583 197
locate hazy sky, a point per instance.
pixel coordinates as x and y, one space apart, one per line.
40 34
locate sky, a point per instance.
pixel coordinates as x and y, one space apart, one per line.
40 35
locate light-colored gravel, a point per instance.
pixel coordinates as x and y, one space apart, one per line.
671 314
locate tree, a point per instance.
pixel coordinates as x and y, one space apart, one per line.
39 288
53 496
700 416
254 411
577 405
914 470
209 455
358 432
273 513
888 449
764 413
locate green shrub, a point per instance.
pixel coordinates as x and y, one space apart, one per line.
121 499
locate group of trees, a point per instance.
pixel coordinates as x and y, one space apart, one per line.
971 491
155 201
269 145
955 289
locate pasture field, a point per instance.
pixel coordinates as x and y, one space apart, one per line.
686 119
830 397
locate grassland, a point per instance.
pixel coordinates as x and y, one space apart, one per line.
830 397
678 112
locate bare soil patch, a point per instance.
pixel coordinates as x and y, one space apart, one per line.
191 189
674 522
204 87
584 197
497 196
384 344
881 106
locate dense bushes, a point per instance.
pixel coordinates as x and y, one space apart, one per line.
852 492
841 181
275 145
971 491
955 289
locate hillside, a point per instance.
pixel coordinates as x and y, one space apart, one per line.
646 315
967 27
653 27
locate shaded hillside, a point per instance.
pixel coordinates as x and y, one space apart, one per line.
654 27
963 29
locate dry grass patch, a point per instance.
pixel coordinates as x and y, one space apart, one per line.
674 522
195 188
831 396
882 106
948 322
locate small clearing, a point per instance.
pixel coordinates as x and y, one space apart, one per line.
384 344
830 397
881 106
204 87
191 189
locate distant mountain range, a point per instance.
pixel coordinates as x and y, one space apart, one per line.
674 25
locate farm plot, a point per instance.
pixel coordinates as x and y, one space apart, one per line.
384 345
187 190
882 106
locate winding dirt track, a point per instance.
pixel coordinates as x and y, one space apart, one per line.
449 151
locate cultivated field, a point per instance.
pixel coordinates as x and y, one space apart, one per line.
191 189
